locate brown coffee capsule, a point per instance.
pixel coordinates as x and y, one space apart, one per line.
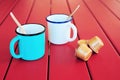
83 52
82 41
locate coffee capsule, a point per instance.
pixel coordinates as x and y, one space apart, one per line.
95 44
83 52
82 41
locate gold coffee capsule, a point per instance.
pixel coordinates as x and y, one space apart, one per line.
82 42
83 52
95 44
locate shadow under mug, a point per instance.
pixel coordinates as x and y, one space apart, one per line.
31 46
59 29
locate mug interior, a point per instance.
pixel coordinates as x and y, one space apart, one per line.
58 18
31 29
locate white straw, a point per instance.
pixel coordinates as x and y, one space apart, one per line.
17 22
74 11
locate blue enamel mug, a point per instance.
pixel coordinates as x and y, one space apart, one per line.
31 46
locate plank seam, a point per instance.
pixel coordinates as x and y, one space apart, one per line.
9 64
30 11
50 6
48 69
17 1
17 44
4 78
89 71
73 18
101 28
78 39
109 9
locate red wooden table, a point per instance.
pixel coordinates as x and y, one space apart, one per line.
95 17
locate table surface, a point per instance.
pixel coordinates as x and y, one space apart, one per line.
94 18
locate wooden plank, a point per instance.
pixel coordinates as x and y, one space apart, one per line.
63 63
106 64
113 6
39 13
34 70
12 24
5 7
110 26
6 33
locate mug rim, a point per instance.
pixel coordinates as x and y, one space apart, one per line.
31 34
58 22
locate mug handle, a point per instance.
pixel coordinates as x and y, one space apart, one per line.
74 32
12 43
